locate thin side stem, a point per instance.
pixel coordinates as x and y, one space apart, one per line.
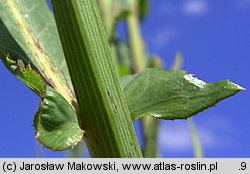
149 124
198 152
150 149
135 41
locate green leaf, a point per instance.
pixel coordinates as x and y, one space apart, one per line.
56 123
172 95
28 32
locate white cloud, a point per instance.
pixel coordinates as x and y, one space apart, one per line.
243 4
164 36
195 7
176 137
215 131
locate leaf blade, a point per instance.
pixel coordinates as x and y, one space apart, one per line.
172 94
28 32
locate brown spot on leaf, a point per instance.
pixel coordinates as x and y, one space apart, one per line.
18 25
53 70
52 83
20 65
37 44
71 91
29 66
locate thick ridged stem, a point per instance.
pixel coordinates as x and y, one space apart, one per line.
103 109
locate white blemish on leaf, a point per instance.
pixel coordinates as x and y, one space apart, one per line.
156 115
195 81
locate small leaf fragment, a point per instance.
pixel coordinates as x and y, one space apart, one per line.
120 9
172 95
26 74
56 122
122 54
143 9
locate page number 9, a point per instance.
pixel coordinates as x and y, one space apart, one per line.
243 166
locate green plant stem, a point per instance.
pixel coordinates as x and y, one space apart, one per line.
106 14
104 114
139 64
150 149
198 152
135 41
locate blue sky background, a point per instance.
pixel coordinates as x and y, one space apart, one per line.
214 38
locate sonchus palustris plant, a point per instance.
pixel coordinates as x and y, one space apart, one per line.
73 60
